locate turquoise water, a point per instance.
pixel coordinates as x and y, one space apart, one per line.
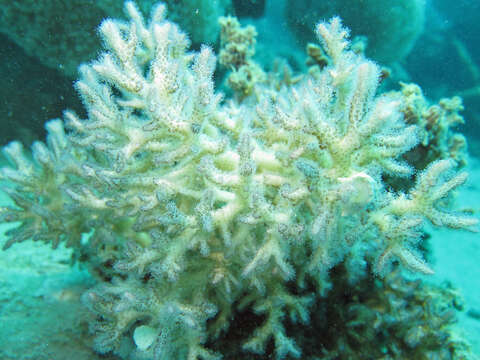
433 44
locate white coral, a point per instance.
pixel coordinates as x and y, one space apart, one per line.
195 206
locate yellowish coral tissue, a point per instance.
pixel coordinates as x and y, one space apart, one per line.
197 206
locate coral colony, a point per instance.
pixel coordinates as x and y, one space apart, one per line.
190 209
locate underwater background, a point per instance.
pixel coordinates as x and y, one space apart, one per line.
433 44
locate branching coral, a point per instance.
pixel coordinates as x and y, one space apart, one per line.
391 28
61 34
437 123
237 50
188 209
